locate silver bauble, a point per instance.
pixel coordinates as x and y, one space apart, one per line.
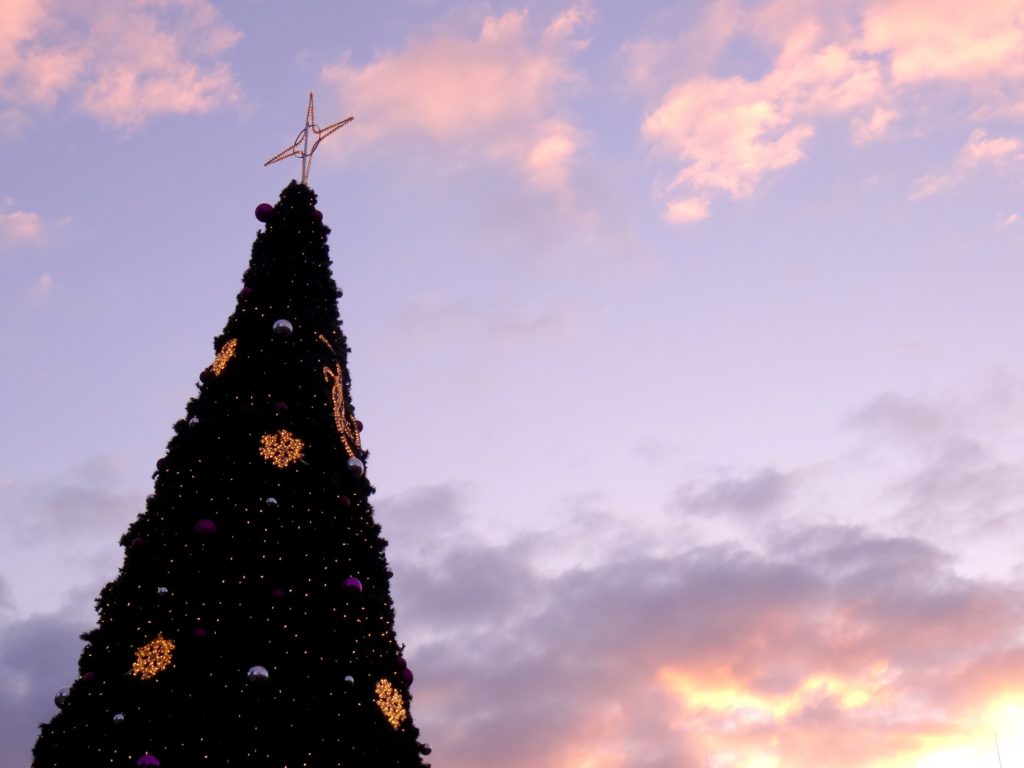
257 674
61 697
161 591
118 717
283 327
349 680
193 421
271 502
356 467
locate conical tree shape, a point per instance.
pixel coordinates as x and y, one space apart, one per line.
251 623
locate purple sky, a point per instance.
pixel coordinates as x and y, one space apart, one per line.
687 338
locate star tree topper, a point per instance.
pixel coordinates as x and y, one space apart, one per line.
301 146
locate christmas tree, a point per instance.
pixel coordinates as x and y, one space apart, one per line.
251 623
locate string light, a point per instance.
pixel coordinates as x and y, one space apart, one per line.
390 702
347 430
281 448
153 658
225 354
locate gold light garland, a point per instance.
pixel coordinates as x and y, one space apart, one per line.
390 702
153 658
226 352
281 448
344 421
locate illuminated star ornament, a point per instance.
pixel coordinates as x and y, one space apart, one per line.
301 146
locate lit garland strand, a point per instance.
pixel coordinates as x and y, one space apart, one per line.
345 423
390 702
281 448
223 356
153 658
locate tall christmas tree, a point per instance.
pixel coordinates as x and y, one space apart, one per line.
251 623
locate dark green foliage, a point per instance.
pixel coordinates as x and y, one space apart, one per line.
266 588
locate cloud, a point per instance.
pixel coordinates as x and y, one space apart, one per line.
686 209
493 97
863 62
20 228
944 39
41 288
728 132
122 62
744 496
977 152
868 649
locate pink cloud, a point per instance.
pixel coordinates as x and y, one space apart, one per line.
20 227
932 39
493 96
124 62
978 151
686 209
729 132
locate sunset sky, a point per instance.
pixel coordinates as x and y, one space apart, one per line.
688 338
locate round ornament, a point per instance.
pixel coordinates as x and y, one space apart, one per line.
264 212
137 542
349 680
318 215
406 675
271 502
425 749
147 759
161 463
205 527
118 717
87 677
193 422
353 584
257 674
345 501
162 591
206 375
283 327
61 697
400 662
246 291
281 408
359 425
356 467
199 633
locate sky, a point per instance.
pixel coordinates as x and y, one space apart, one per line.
687 338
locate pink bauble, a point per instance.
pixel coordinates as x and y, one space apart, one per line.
264 212
246 291
147 759
281 407
353 584
359 425
318 215
400 662
205 527
406 675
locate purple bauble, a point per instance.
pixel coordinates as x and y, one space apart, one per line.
147 759
88 677
161 463
264 212
199 632
318 215
277 594
137 542
353 584
406 675
345 501
281 407
206 375
246 291
205 527
400 662
359 425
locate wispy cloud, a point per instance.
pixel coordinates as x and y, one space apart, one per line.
979 151
20 228
121 62
493 96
